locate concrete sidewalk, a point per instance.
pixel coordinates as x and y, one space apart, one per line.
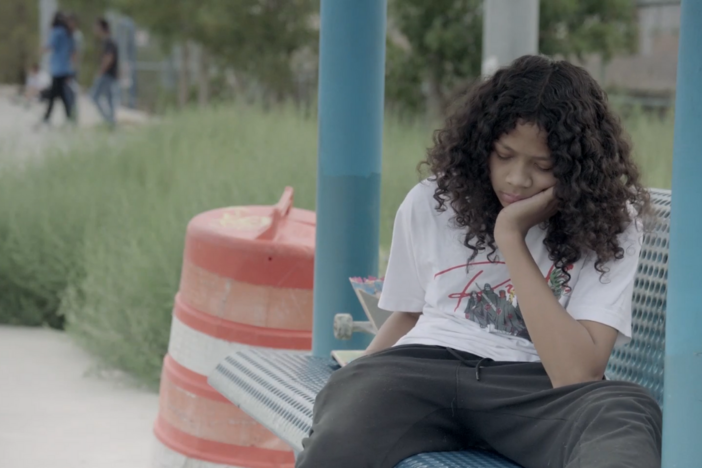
20 139
55 412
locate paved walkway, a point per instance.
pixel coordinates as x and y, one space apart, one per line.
57 411
21 140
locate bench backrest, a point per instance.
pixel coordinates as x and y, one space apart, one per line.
641 361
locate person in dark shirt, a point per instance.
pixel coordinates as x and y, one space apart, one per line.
106 78
72 83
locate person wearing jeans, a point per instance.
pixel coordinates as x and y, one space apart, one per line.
73 87
102 89
101 92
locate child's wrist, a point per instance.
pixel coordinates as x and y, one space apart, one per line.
507 232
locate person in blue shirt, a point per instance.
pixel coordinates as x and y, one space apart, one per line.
62 48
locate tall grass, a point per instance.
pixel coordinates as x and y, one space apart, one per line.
652 137
120 309
96 236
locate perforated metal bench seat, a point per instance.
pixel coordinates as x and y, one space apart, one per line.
278 389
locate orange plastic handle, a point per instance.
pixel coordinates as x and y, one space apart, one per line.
280 209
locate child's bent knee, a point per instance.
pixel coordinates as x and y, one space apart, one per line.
338 446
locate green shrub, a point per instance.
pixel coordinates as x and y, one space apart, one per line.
44 210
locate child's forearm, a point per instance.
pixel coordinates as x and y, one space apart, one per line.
394 328
569 353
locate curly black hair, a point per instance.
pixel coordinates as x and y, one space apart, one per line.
598 184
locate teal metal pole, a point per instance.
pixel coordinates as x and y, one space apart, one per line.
682 416
351 95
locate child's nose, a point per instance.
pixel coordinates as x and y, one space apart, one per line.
519 177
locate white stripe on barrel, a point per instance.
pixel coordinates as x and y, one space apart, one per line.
199 352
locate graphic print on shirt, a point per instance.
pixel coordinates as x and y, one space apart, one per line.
494 306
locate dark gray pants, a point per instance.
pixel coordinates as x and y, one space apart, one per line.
386 407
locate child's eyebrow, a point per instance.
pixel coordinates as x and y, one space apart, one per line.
544 157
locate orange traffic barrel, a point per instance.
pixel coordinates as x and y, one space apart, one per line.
246 282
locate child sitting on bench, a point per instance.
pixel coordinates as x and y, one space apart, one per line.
510 277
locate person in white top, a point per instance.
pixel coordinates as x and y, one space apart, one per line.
510 279
36 82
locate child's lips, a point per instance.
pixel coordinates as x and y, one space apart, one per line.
512 198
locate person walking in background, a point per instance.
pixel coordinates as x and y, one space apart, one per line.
107 74
36 84
73 87
62 47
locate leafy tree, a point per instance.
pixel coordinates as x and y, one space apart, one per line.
440 44
444 40
259 37
19 41
579 27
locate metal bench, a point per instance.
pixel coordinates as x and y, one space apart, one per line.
278 389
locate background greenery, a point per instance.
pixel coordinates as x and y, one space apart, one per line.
92 238
434 47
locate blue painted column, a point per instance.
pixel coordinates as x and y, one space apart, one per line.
682 418
351 95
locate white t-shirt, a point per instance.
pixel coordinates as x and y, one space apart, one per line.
37 81
475 309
